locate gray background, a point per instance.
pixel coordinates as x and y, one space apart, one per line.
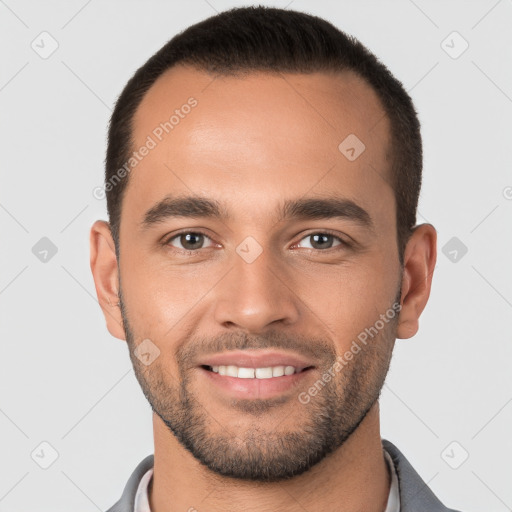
65 381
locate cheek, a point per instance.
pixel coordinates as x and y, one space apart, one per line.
352 299
159 297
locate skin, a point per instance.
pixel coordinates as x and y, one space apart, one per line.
251 143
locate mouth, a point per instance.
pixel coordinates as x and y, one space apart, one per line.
263 372
255 374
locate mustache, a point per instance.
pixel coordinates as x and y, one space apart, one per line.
190 353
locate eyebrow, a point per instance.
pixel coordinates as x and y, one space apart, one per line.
301 209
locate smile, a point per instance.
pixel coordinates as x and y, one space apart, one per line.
241 372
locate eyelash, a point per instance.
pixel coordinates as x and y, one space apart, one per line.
188 252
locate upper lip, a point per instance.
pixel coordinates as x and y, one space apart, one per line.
256 359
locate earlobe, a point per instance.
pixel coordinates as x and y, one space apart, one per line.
104 269
419 263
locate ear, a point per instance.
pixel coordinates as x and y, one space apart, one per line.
106 278
419 262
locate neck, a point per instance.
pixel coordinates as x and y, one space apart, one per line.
352 479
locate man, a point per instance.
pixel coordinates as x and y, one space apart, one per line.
243 146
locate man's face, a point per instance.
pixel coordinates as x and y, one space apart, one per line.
293 290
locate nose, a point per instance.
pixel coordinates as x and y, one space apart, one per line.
254 295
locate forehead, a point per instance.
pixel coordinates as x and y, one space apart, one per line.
260 136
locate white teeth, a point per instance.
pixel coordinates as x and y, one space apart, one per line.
277 371
254 373
231 371
246 373
264 373
289 370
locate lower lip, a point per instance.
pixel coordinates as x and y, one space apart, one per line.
255 388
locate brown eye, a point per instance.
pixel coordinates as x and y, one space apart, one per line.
321 241
189 240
